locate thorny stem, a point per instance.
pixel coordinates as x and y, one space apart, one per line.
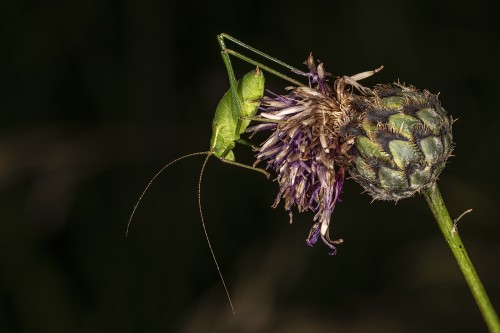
438 208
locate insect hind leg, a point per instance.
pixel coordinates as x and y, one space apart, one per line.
268 69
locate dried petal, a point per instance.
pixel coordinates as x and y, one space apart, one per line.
307 145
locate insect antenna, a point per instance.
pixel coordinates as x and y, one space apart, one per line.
208 153
206 235
153 179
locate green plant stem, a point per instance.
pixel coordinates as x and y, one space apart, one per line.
446 225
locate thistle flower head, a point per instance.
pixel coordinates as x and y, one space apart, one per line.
308 146
403 140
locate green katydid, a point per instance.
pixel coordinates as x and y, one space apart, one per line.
233 114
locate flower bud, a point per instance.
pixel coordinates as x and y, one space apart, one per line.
403 138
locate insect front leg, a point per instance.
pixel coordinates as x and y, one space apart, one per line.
227 156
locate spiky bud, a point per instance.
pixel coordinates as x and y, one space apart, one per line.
403 139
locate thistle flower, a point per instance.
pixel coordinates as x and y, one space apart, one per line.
308 148
393 139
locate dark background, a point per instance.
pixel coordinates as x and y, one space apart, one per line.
95 96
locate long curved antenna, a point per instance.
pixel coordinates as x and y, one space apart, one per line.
206 234
154 177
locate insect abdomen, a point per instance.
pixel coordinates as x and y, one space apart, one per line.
224 127
250 91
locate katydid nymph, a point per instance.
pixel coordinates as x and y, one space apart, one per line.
233 114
